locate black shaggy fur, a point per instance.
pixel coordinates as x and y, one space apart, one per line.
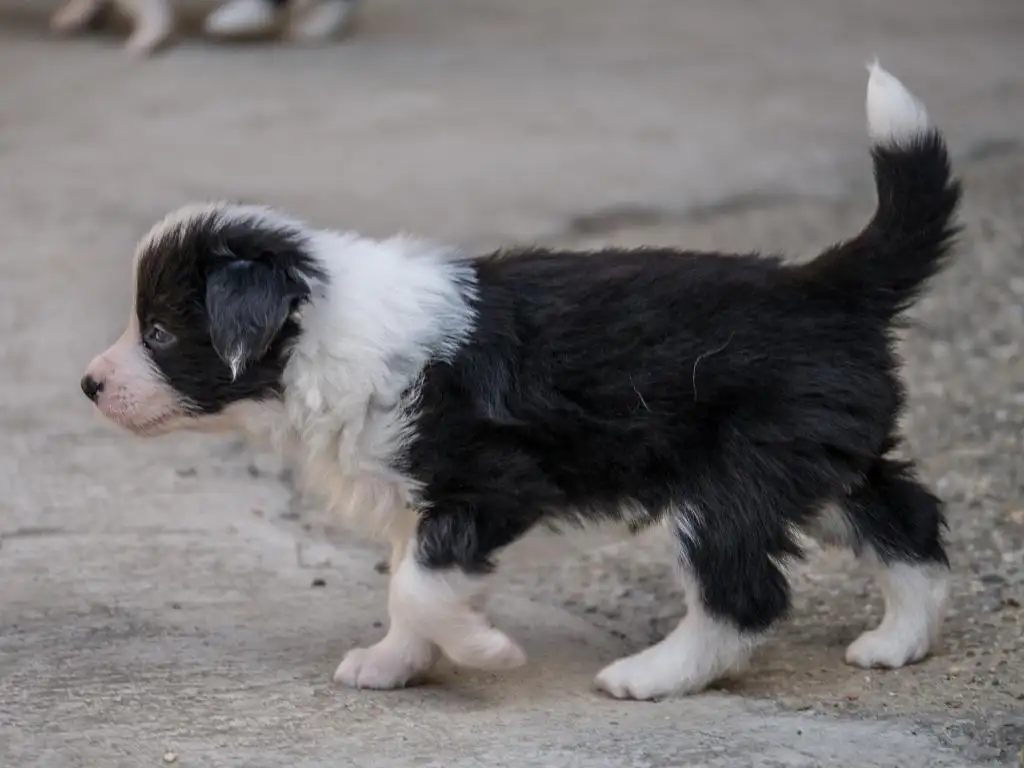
735 396
229 291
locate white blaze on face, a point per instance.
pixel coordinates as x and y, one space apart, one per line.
132 392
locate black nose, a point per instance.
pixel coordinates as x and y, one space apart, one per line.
91 387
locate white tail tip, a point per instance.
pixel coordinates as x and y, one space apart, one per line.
895 115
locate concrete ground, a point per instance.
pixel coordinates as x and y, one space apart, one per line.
175 602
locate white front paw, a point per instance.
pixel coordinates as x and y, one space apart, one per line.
384 666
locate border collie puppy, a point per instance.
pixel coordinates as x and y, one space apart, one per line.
450 402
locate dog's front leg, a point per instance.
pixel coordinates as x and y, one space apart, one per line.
446 606
400 657
431 608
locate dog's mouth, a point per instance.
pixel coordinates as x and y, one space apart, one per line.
148 415
152 426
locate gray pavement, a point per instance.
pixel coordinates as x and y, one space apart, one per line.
157 598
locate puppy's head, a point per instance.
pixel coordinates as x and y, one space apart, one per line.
217 289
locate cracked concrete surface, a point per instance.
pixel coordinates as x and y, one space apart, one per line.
174 596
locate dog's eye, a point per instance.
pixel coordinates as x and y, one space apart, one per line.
159 337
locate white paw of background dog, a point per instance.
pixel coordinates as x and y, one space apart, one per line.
75 15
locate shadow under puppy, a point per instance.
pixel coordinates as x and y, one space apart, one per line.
449 402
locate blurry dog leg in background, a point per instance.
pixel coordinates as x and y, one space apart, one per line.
76 15
319 20
303 20
245 18
152 20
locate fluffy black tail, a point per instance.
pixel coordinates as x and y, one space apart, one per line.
911 234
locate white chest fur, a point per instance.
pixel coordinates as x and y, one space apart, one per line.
350 387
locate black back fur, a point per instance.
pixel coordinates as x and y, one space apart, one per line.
732 397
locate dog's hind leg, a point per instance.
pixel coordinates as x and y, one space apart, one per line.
897 525
734 592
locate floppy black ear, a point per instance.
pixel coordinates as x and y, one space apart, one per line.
247 303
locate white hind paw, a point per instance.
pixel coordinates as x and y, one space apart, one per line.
915 600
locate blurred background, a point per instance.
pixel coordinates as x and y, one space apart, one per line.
176 601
